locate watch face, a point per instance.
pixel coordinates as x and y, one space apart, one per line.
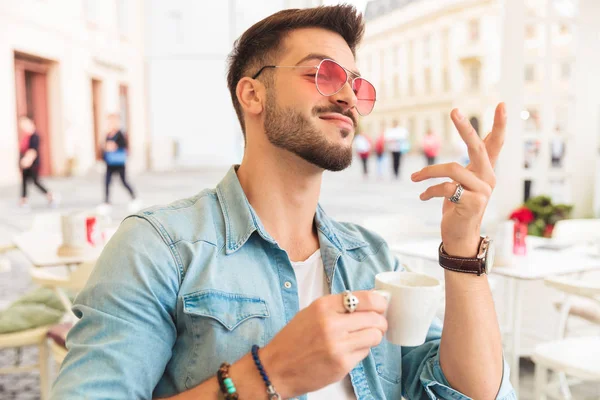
489 259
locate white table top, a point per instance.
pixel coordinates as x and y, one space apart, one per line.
537 264
41 248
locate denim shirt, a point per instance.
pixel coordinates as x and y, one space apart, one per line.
182 288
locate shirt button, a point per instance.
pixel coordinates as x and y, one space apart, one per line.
287 285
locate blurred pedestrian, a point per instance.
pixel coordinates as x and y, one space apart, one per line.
396 140
557 150
115 156
380 152
362 145
29 160
431 146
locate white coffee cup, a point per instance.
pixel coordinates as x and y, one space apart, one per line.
413 300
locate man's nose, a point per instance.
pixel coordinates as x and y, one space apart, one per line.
345 97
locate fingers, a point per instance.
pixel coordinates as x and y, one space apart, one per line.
358 321
476 147
446 189
364 339
367 301
495 140
453 171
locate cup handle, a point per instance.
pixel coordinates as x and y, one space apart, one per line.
385 293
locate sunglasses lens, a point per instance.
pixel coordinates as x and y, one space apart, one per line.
330 78
365 96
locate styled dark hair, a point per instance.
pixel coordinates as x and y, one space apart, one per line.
260 44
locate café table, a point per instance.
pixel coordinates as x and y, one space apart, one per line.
543 259
41 249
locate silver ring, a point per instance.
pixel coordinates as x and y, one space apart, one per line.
457 195
350 302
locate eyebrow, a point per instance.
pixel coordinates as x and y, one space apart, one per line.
318 56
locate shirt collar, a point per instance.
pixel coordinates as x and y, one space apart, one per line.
241 221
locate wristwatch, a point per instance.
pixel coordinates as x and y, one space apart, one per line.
481 264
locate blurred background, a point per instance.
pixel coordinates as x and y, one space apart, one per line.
160 66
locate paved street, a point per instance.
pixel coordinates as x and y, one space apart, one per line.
345 196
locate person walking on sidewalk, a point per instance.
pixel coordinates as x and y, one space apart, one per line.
396 139
431 146
380 153
362 144
115 156
29 161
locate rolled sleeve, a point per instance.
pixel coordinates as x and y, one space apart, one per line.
122 342
423 377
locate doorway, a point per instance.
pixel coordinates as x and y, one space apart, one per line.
31 81
97 118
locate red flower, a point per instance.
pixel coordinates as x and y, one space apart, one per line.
524 215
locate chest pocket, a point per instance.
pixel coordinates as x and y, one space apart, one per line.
388 361
224 327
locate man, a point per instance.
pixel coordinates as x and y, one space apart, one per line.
115 156
181 289
396 138
29 160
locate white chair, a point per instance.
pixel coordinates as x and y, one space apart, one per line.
577 230
575 357
30 337
73 281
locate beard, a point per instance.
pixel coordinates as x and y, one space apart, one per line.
288 129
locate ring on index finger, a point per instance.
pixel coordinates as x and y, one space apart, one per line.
350 302
455 198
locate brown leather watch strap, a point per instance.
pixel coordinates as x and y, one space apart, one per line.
458 264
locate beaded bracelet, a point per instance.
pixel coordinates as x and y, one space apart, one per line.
225 382
271 392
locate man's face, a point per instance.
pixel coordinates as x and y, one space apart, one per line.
298 118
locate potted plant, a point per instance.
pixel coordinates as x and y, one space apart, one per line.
540 215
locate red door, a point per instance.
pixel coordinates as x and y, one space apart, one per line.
31 79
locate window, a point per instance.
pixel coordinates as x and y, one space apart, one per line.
565 70
411 86
427 47
396 86
530 31
446 127
427 79
90 11
474 30
176 26
474 72
446 44
122 17
529 73
446 78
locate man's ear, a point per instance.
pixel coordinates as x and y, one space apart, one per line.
251 95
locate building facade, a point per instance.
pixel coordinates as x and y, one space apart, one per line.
191 117
426 58
67 64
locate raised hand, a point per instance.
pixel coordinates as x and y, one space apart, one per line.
461 221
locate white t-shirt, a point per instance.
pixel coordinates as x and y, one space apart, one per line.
310 277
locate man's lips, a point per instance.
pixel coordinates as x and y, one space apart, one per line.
339 119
